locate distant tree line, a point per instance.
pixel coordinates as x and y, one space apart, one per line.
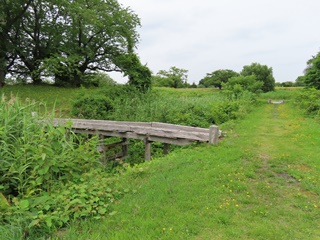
259 77
66 40
254 73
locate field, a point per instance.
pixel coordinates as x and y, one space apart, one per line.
260 182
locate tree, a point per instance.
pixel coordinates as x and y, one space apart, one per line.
312 72
262 73
67 39
96 33
218 77
37 37
247 83
139 75
11 13
175 77
300 81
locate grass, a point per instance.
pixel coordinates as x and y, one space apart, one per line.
261 182
52 97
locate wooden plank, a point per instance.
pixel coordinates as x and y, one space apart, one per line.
180 142
179 127
116 130
100 122
170 133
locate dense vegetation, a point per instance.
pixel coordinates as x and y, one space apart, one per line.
47 172
312 72
43 194
49 178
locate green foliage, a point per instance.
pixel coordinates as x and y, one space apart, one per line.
48 175
65 40
262 73
300 81
312 72
218 77
139 75
35 154
174 77
237 86
309 101
92 106
92 195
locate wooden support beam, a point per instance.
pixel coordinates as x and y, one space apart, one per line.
166 147
213 134
102 149
147 147
125 147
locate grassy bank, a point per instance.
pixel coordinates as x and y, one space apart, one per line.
261 182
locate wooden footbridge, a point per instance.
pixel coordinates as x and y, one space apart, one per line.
147 131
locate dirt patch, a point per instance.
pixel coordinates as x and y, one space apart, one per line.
289 179
304 168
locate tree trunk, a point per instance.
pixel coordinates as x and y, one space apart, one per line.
36 78
2 77
3 70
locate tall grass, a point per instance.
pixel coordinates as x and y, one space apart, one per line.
41 165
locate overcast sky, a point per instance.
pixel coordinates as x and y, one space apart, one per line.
202 36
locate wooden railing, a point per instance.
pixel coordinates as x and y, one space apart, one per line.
147 131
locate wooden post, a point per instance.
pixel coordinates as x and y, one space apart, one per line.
147 153
166 147
213 134
102 149
124 147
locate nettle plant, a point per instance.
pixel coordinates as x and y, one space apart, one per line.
45 171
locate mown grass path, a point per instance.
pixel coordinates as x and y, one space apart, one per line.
261 182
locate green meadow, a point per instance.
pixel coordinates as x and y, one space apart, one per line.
260 182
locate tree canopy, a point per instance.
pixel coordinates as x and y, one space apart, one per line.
218 77
66 40
312 72
262 73
174 77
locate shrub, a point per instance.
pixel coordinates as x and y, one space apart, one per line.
309 101
92 107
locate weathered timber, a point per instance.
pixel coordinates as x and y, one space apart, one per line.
148 132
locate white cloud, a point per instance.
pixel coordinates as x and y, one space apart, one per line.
205 35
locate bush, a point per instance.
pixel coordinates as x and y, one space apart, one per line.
309 101
92 107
